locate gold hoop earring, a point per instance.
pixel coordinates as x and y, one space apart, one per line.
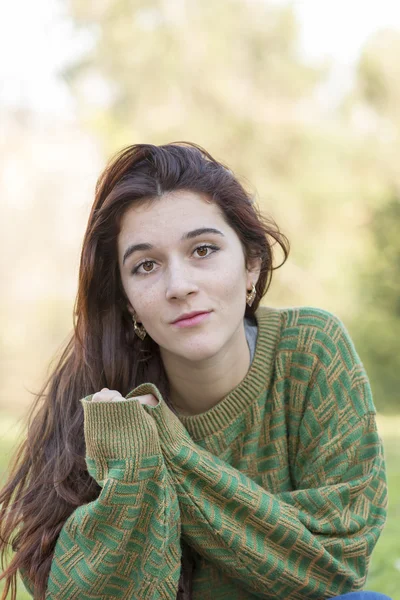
251 295
139 329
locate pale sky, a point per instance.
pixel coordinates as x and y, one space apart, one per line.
36 39
339 28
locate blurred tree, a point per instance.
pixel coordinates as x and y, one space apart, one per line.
44 190
214 71
379 74
377 330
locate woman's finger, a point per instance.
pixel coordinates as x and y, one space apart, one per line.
105 395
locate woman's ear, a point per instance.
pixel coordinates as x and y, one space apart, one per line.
253 271
131 310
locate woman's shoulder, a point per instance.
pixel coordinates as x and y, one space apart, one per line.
316 354
298 319
305 316
319 335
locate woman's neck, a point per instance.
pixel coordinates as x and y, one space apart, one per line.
197 387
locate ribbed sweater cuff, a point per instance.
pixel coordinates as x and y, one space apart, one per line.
171 432
118 430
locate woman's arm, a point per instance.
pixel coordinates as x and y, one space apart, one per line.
314 542
126 543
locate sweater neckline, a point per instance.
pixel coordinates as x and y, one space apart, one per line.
255 382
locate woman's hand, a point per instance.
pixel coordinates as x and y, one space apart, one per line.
105 395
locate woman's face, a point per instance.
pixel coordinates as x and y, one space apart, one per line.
177 269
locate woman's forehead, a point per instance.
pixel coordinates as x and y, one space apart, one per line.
173 212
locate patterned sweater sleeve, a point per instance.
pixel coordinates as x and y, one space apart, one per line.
314 542
126 543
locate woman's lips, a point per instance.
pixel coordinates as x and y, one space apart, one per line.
192 320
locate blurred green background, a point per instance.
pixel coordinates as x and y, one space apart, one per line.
300 99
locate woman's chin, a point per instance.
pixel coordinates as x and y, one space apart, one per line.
194 353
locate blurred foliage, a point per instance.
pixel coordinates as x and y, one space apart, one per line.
379 74
212 70
377 328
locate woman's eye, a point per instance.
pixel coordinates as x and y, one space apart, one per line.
144 265
203 250
147 266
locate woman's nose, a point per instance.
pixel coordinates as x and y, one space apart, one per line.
179 283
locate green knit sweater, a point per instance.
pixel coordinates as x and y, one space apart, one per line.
280 488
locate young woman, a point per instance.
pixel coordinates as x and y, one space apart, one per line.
191 443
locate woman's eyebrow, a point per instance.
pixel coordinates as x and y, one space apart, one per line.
186 236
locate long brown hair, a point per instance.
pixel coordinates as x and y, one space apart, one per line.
48 478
